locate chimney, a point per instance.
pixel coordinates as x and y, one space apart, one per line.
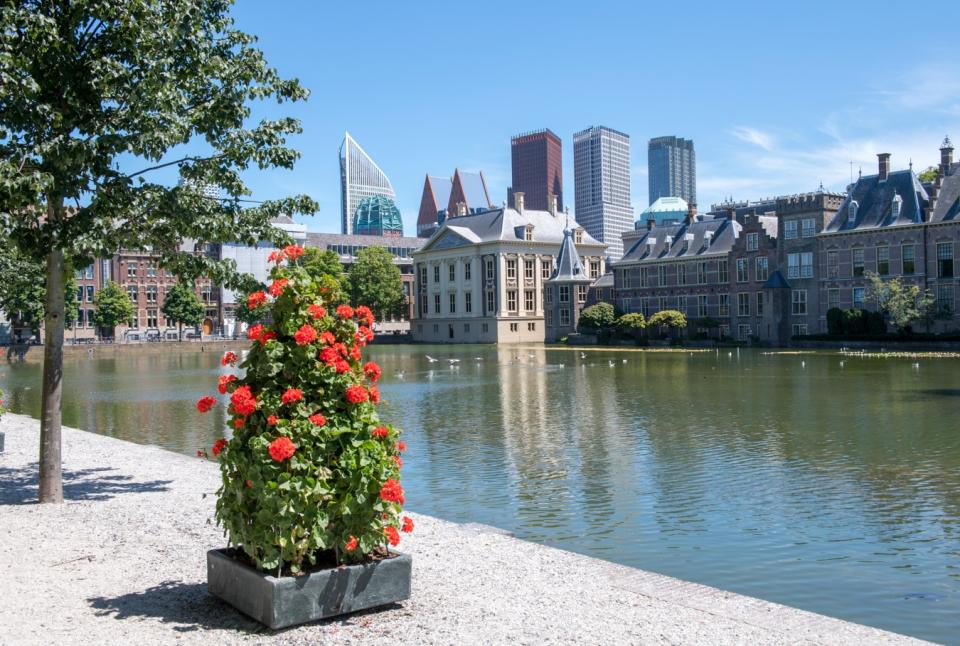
883 160
651 223
946 156
552 204
732 214
461 208
518 201
691 212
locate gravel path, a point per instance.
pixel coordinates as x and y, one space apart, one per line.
123 562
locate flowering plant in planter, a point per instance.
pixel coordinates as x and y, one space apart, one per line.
311 471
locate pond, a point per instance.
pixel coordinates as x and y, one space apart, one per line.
821 481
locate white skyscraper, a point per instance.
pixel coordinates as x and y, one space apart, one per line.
360 177
601 183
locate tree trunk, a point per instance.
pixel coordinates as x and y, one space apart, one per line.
51 477
180 332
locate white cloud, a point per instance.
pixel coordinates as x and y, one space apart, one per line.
753 136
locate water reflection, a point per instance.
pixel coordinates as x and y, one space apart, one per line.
788 477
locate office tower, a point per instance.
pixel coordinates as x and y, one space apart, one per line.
537 164
601 178
672 169
360 178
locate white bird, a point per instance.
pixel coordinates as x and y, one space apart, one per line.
478 358
430 359
454 360
612 364
583 355
916 366
841 364
400 374
803 364
624 360
729 354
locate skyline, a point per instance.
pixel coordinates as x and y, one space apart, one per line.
771 109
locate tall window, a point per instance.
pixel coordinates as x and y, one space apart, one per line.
511 269
702 306
453 303
436 273
151 272
701 273
564 316
883 260
945 298
594 269
858 261
151 293
423 304
564 293
151 318
833 298
578 236
491 302
743 270
743 331
132 293
763 268
511 300
436 303
528 300
723 271
743 304
798 300
528 269
759 303
452 272
489 270
681 274
661 275
468 302
466 270
859 297
790 229
808 225
908 255
644 277
90 294
833 264
581 293
753 241
545 269
724 301
944 260
528 234
132 269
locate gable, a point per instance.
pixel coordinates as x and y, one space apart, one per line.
448 240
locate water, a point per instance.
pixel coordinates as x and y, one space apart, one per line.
788 477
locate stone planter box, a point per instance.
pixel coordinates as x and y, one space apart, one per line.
287 601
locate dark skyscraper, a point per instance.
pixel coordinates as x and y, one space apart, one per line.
537 161
672 169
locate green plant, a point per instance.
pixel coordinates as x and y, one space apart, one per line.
311 470
596 318
668 319
374 279
23 289
835 321
901 304
182 306
113 306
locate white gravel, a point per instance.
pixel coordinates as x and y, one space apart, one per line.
123 562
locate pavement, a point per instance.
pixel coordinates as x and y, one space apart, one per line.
122 561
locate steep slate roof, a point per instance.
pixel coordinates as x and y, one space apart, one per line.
721 231
948 200
436 194
475 190
509 225
569 268
874 200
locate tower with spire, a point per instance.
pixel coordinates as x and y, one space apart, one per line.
565 292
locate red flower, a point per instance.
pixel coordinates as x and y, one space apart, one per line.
357 394
218 446
281 449
292 395
293 251
372 371
306 334
407 525
238 423
391 491
341 349
268 335
398 461
401 446
318 419
256 299
272 420
229 358
329 356
201 453
380 431
345 311
223 381
317 311
342 366
392 535
366 332
276 287
249 484
327 338
244 403
374 394
276 257
205 403
363 312
355 353
255 332
351 544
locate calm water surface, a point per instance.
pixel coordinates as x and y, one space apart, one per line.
823 482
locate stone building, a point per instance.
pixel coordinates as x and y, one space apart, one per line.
481 277
565 292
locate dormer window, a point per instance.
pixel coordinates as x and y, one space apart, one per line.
578 236
854 207
895 204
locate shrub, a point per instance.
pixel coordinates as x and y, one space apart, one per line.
310 472
597 317
631 325
835 320
668 318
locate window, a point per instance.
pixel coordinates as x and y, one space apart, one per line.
681 274
151 293
858 297
151 270
798 301
468 302
489 270
724 304
423 275
944 260
661 275
485 328
89 293
724 331
644 277
945 298
594 269
491 302
528 300
514 327
79 294
909 258
453 303
800 265
545 269
548 295
578 236
799 329
511 300
743 332
807 228
528 269
452 272
549 318
131 269
762 268
466 270
528 234
423 304
134 323
511 269
743 304
753 241
151 318
833 264
564 293
759 303
701 273
581 293
790 229
743 270
723 271
436 303
883 261
564 316
833 298
858 262
436 273
702 311
531 327
132 293
88 272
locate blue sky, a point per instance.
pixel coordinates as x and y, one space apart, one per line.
776 96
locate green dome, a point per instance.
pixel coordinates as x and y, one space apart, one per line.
377 215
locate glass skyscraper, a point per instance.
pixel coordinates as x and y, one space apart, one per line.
672 169
360 178
601 183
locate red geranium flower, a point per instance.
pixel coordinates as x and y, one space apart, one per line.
351 544
342 366
407 525
329 356
223 381
327 338
254 332
318 419
201 453
256 299
205 403
372 371
391 491
272 420
398 461
355 353
276 287
293 251
357 394
306 334
244 403
380 431
229 358
292 395
238 423
276 257
374 394
392 535
268 335
281 449
366 332
345 311
249 484
363 312
317 311
341 349
401 446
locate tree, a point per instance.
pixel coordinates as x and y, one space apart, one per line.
374 281
597 317
99 95
113 307
900 304
183 306
23 290
631 325
673 319
321 262
929 175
